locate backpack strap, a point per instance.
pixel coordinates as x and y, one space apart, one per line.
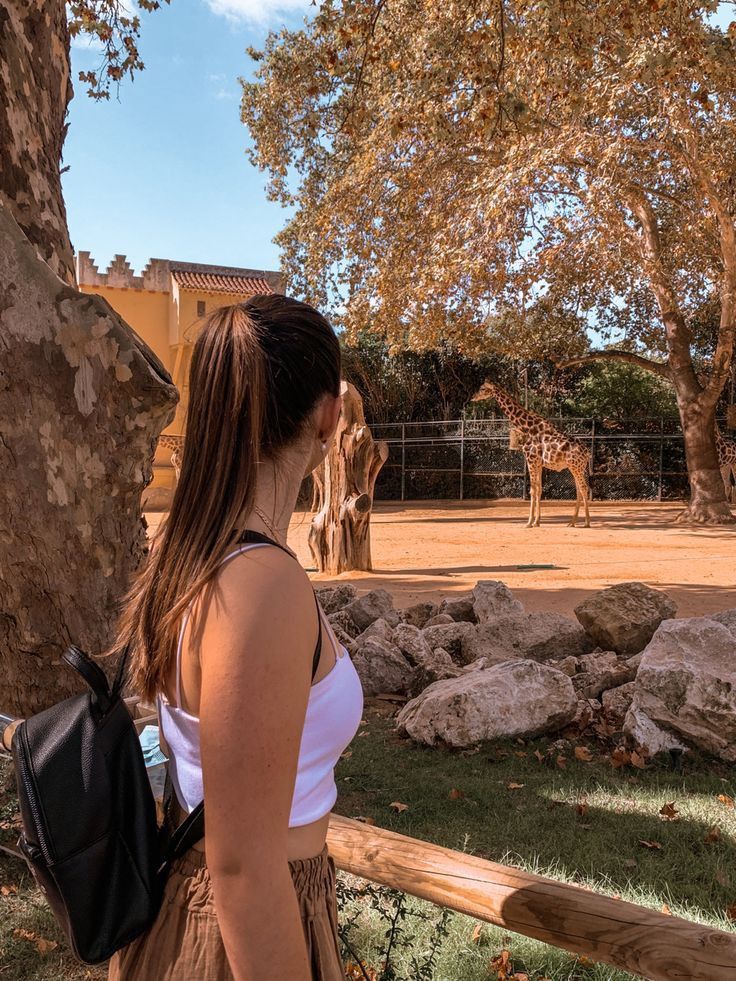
92 674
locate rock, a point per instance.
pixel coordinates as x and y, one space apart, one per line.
516 698
341 637
344 622
379 631
450 636
381 667
418 614
370 606
438 620
600 671
568 665
334 598
540 636
623 618
643 732
727 618
412 643
437 666
459 608
686 686
493 599
616 701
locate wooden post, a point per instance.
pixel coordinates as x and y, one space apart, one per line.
643 941
339 538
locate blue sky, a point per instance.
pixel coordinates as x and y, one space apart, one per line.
161 170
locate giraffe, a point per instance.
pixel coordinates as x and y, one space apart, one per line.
726 460
543 446
176 445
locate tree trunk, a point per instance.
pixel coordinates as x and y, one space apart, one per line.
708 504
35 90
339 538
82 402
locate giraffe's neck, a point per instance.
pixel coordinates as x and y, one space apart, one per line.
520 417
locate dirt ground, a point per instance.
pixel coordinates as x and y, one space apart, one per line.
423 551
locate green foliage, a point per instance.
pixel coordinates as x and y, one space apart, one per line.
618 391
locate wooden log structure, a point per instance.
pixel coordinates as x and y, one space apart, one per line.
645 942
339 537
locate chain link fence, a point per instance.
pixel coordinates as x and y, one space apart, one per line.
471 459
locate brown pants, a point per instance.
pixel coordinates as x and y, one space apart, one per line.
184 943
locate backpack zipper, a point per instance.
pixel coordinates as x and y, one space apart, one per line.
30 789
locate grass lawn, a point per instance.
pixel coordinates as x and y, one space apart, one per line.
576 820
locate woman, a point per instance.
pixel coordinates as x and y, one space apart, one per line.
256 699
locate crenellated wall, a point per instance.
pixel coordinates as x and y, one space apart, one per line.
156 276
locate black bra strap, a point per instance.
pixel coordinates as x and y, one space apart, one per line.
256 538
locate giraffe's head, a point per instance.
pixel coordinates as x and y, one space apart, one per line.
488 390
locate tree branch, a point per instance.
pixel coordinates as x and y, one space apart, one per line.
613 354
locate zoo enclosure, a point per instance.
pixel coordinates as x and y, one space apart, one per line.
466 459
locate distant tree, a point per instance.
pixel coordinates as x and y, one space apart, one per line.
614 390
448 162
82 398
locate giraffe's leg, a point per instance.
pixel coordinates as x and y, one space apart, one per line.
530 467
535 483
726 475
582 493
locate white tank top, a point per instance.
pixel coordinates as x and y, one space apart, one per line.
333 714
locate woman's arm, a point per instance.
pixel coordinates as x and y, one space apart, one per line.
256 651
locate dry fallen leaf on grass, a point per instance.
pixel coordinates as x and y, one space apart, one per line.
638 761
456 794
561 761
731 912
514 786
713 836
502 966
540 756
650 844
582 808
666 910
583 754
477 931
347 754
725 799
669 812
8 890
620 757
42 944
398 806
520 753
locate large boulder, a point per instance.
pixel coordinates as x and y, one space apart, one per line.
370 606
492 599
516 698
334 598
379 630
344 622
686 686
431 664
623 618
727 618
540 636
381 667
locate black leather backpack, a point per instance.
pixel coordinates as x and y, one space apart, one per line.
89 833
89 818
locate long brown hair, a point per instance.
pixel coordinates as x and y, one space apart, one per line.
258 369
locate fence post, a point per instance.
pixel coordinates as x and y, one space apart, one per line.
403 461
462 457
592 458
661 458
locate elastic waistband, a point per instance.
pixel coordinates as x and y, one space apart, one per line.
305 872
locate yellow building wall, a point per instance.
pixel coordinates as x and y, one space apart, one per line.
146 311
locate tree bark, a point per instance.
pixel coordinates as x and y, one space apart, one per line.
708 503
339 538
35 90
82 402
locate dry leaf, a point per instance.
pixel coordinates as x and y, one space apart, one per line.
477 930
585 961
583 754
540 756
638 761
731 912
520 753
456 794
347 754
501 965
364 820
620 757
650 844
514 786
582 808
725 799
714 835
666 910
398 806
8 890
561 761
669 812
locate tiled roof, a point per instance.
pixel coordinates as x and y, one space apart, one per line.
215 282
